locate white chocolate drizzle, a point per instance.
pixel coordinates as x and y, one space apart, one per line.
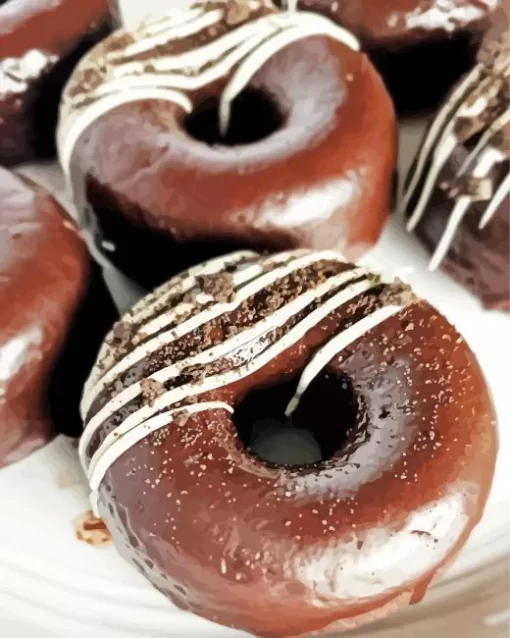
335 346
208 50
269 333
481 99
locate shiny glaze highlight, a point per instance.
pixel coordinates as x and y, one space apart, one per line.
45 276
388 23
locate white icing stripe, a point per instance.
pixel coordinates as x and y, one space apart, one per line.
454 220
245 47
171 316
243 276
333 347
97 471
497 200
71 129
316 26
212 267
279 318
217 58
466 109
475 98
445 150
217 381
185 281
434 132
486 163
173 16
215 311
147 306
251 32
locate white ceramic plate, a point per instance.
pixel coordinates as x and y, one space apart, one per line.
52 585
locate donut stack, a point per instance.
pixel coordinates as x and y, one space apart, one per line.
234 161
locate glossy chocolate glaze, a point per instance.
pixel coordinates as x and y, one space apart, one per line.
40 43
162 199
478 258
420 46
394 23
45 276
287 550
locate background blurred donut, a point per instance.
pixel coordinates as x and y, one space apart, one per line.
457 194
420 47
54 310
40 42
307 157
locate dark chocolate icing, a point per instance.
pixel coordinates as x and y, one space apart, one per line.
288 550
40 43
46 344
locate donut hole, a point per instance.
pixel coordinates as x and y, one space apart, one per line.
254 116
329 421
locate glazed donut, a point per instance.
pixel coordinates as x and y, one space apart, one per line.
421 47
391 391
40 42
458 191
153 175
45 277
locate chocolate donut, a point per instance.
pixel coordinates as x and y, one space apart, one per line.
458 191
40 42
392 392
46 347
155 177
421 47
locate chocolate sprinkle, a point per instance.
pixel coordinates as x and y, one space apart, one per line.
220 287
151 390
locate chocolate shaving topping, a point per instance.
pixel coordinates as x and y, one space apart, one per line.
495 92
476 188
122 333
181 418
86 80
495 50
151 390
236 12
501 141
466 127
397 293
220 287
